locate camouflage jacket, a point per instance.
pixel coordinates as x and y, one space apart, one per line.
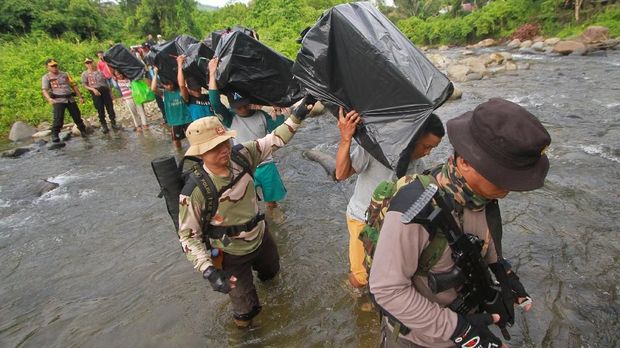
237 205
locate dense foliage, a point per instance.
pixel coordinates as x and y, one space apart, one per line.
69 30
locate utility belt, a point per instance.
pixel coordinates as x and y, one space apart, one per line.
399 327
54 96
218 232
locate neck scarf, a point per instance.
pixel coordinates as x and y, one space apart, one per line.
453 182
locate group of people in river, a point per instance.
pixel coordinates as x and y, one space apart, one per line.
498 147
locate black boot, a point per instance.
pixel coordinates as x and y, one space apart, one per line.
55 138
104 128
84 132
114 125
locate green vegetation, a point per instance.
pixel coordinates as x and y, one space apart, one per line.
69 30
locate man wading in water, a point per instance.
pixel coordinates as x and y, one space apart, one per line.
499 147
237 232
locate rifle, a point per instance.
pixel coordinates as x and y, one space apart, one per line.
477 290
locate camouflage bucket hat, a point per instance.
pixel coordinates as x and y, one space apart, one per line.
206 133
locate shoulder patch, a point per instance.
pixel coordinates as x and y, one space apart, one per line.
406 196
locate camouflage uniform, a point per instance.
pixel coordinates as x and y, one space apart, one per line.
237 205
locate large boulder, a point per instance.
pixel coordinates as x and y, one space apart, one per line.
458 73
594 34
514 44
21 131
568 47
551 41
44 126
507 55
497 58
526 44
438 60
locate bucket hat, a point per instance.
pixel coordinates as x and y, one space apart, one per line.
504 143
206 133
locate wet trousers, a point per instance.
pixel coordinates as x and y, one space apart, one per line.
356 250
388 342
136 111
59 117
102 103
265 261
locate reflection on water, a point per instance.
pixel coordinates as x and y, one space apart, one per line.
96 262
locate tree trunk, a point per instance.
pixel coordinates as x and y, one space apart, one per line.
578 4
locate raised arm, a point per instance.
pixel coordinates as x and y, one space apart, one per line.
214 95
347 125
154 81
181 78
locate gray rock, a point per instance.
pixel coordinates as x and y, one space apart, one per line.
497 69
21 131
526 44
42 187
511 66
523 66
538 46
507 55
55 146
568 47
474 76
44 126
14 153
527 50
467 53
64 136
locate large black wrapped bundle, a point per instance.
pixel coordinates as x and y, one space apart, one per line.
356 58
196 68
166 56
120 58
255 71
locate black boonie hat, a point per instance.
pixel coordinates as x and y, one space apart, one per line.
504 142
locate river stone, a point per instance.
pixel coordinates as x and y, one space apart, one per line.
42 134
467 53
511 66
486 43
64 136
552 41
457 93
527 50
443 48
507 55
75 131
458 72
523 66
497 69
55 146
44 126
474 76
514 44
538 46
14 153
579 52
539 39
526 44
497 58
437 59
21 131
42 187
594 34
567 47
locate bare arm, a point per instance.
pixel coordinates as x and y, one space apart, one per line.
346 124
181 78
154 81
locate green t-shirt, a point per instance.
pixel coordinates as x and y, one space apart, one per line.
176 109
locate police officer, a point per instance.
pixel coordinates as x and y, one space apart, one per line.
60 91
237 233
499 147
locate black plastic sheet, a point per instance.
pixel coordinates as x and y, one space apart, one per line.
120 58
166 56
254 70
356 58
196 66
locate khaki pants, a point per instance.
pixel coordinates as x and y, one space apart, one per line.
356 250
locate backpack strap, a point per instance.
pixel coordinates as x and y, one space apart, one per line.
206 185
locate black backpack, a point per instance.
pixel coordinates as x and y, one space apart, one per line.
173 177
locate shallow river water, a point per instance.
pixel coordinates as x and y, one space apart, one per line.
95 263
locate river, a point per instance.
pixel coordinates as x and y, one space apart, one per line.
96 263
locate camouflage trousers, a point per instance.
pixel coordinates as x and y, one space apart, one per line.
265 261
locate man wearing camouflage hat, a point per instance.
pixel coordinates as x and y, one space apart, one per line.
499 147
233 228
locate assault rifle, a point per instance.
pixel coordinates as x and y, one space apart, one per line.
477 289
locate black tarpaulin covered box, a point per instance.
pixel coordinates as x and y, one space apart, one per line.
254 70
120 58
166 56
356 58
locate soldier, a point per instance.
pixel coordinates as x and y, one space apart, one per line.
499 147
60 90
236 230
370 173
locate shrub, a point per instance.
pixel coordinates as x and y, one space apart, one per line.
526 32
